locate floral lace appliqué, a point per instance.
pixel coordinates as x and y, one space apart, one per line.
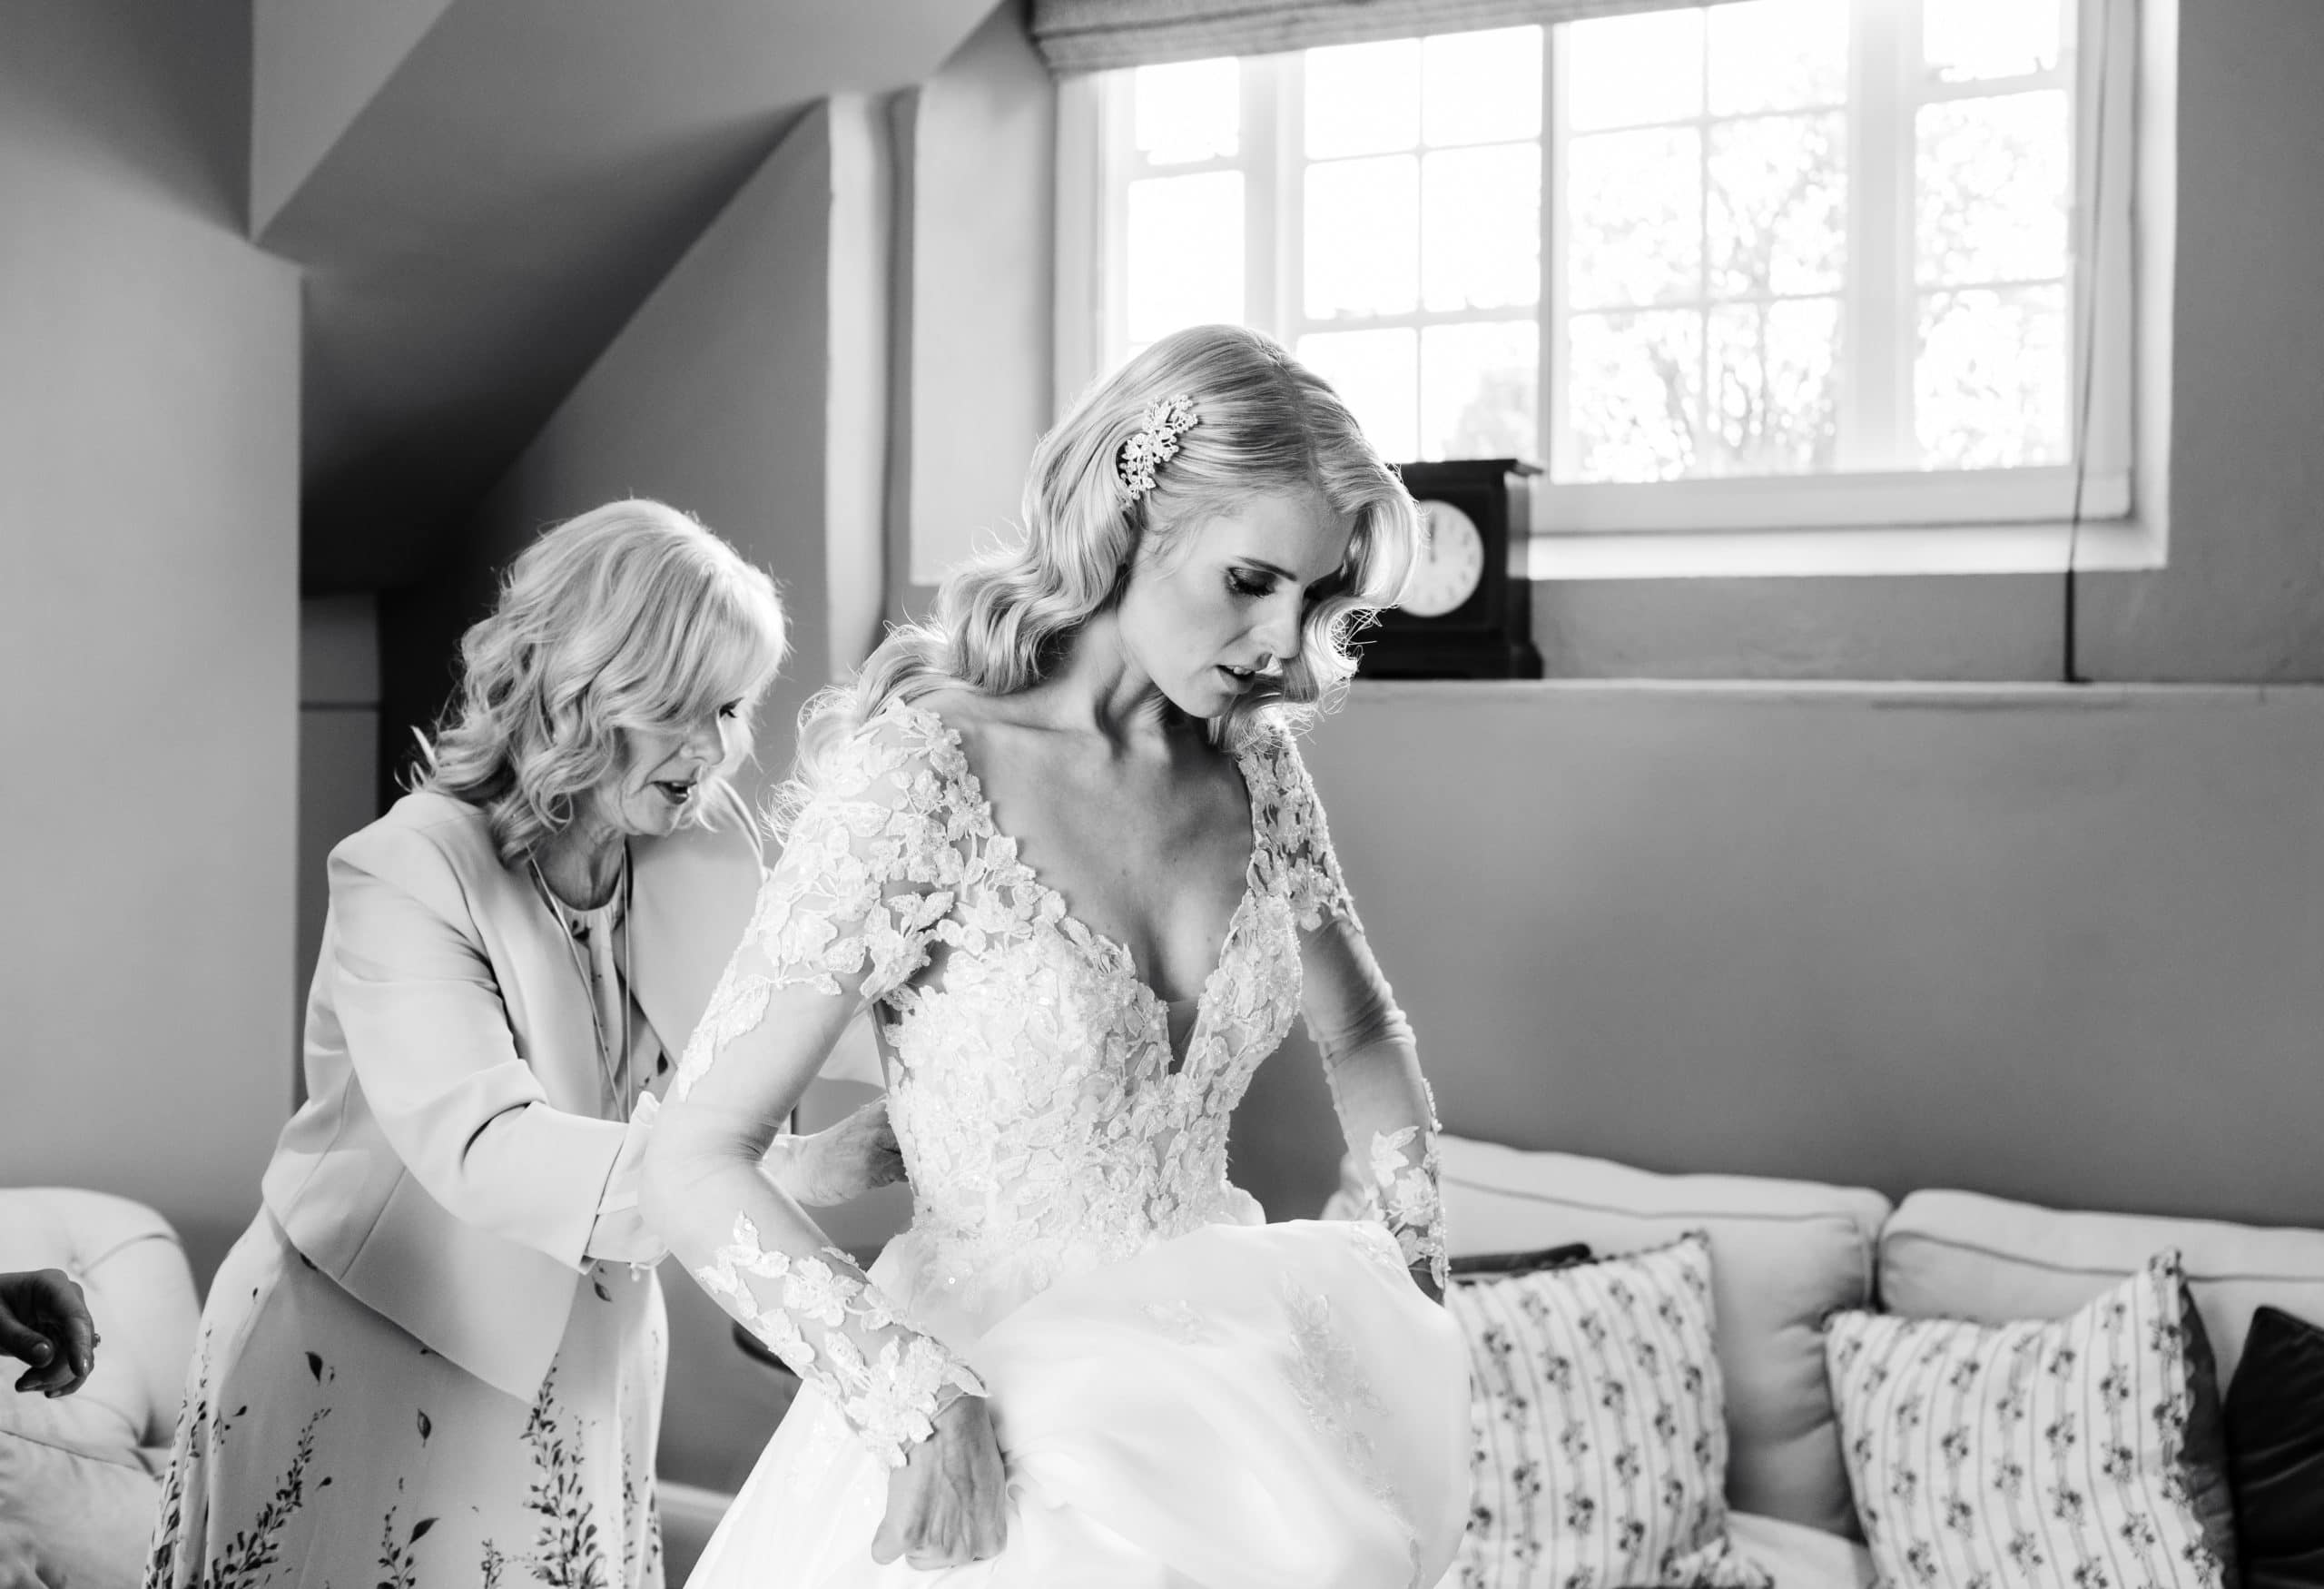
1404 1196
1328 1381
891 1398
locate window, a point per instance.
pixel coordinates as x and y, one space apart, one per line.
1768 265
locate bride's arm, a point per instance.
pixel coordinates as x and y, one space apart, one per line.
1370 1058
1382 1099
844 918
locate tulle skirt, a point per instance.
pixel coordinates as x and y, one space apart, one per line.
1245 1407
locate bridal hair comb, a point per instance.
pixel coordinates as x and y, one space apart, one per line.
1156 443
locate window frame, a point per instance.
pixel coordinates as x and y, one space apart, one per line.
2107 510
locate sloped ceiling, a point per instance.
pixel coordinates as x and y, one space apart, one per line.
503 196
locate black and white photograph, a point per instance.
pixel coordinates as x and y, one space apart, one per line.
1162 794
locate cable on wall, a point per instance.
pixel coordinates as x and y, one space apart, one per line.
2070 671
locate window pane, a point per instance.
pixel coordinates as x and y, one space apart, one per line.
1965 41
1627 71
1477 386
1373 374
1190 111
1184 249
1482 88
1634 217
1778 191
1778 55
1480 231
1775 387
1995 184
1363 99
1633 392
1363 237
1989 386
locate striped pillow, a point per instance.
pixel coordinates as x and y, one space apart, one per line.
2038 1454
1601 1453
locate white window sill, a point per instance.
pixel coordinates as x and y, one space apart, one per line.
2114 545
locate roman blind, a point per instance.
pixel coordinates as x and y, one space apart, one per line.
1092 35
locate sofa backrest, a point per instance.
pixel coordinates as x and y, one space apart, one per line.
1960 1255
139 1288
1783 1254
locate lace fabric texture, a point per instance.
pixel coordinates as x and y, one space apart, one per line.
1046 1123
1405 1196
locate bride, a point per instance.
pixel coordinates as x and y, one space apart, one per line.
1059 842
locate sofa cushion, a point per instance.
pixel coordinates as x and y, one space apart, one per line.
1962 1255
1601 1453
139 1288
1784 1254
2275 1444
89 1502
2048 1453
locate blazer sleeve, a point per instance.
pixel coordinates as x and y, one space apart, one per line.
429 1041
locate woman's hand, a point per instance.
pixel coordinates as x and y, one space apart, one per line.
45 1321
842 1163
1426 1278
946 1505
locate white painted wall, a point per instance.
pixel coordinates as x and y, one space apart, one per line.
316 64
339 753
2061 945
148 616
974 295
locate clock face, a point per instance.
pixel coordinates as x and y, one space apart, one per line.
1452 562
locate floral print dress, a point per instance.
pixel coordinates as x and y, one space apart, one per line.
320 1445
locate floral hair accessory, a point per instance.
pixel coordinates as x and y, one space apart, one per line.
1156 443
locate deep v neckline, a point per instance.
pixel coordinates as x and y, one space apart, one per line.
1073 928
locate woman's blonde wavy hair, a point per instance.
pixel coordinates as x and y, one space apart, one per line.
630 616
1265 423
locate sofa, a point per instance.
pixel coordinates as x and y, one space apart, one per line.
1787 1256
80 1473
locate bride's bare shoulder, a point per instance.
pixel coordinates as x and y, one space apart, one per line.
977 718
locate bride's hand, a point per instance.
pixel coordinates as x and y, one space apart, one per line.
946 1502
842 1162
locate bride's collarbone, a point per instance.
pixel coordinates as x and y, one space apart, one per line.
1150 853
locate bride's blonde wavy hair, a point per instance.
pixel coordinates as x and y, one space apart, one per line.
630 616
1265 423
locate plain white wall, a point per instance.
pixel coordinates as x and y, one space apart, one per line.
2061 945
148 616
338 754
316 64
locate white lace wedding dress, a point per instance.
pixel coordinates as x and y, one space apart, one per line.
1184 1396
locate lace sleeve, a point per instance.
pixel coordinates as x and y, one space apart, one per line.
1367 1047
1401 1191
1291 821
843 920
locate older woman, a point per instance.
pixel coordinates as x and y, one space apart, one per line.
436 1356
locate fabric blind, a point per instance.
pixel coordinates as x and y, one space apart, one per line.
1093 36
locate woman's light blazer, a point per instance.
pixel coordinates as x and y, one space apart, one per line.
449 1164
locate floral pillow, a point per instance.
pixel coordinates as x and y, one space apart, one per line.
1601 1453
2080 1453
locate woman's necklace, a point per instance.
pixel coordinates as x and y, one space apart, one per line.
612 1065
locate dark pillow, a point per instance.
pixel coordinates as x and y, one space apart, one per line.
1521 1263
2275 1452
